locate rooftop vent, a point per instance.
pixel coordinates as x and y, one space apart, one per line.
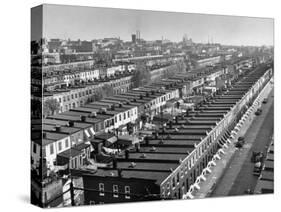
180 161
57 128
92 114
153 149
132 165
143 155
161 141
70 124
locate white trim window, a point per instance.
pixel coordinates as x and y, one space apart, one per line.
101 189
115 191
127 192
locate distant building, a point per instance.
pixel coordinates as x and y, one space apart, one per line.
134 38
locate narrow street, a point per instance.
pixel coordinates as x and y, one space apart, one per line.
238 176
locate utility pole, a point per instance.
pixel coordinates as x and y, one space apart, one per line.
72 193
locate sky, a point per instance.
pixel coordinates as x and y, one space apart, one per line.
87 23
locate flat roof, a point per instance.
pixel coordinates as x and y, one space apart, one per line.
264 185
186 143
158 177
151 166
135 156
267 175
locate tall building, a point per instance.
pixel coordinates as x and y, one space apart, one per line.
138 36
133 38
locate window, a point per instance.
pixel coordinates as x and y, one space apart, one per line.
66 143
72 96
124 116
101 189
120 117
60 147
51 149
34 148
115 190
128 114
127 192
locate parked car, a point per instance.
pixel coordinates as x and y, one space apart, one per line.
257 168
258 112
256 157
240 142
264 100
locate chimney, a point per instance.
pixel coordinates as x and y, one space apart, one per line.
44 135
83 118
146 141
93 114
114 163
57 128
71 123
119 172
127 154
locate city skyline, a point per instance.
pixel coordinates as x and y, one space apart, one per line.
66 22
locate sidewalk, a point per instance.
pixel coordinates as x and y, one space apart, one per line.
218 172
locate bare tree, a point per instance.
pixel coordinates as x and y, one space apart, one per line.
141 76
50 106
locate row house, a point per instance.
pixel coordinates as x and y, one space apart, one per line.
88 64
75 96
111 71
58 140
78 95
209 61
120 84
170 163
87 75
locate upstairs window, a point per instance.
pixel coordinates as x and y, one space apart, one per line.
115 191
51 149
127 192
101 189
34 148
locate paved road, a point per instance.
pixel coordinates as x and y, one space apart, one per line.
260 134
